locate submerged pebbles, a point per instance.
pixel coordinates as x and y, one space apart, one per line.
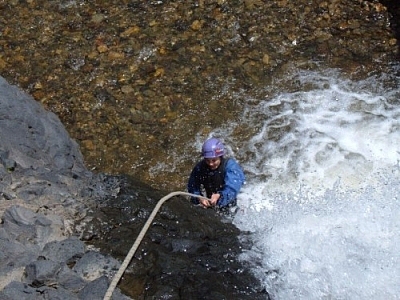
134 81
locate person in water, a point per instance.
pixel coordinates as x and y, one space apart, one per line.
215 177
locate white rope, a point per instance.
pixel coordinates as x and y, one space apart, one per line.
139 238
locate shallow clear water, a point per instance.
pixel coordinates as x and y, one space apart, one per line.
322 195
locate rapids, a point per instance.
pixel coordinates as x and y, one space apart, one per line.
322 195
139 85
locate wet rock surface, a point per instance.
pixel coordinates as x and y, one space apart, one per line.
188 252
134 81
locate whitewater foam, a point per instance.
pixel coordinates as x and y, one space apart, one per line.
324 221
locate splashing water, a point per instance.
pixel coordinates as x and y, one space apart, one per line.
322 197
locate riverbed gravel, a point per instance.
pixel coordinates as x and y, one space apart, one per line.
135 81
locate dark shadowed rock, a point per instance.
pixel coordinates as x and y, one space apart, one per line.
187 253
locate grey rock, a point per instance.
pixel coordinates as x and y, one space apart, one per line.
70 280
25 226
14 255
22 216
45 191
57 293
94 265
34 137
42 272
65 250
9 164
94 290
18 290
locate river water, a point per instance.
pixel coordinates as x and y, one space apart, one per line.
322 195
141 84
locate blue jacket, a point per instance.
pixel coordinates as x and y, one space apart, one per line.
232 181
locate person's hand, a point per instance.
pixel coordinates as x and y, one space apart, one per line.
205 202
214 199
209 202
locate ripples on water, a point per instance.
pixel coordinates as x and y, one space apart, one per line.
322 196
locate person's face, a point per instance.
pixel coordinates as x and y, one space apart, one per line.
213 163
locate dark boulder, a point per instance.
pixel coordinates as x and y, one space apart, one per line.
187 253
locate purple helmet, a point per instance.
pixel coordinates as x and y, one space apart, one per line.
212 148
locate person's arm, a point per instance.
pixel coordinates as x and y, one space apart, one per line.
193 186
234 179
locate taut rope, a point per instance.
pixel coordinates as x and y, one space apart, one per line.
139 238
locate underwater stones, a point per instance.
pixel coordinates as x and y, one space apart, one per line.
172 47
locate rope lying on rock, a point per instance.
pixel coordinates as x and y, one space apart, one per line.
139 238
